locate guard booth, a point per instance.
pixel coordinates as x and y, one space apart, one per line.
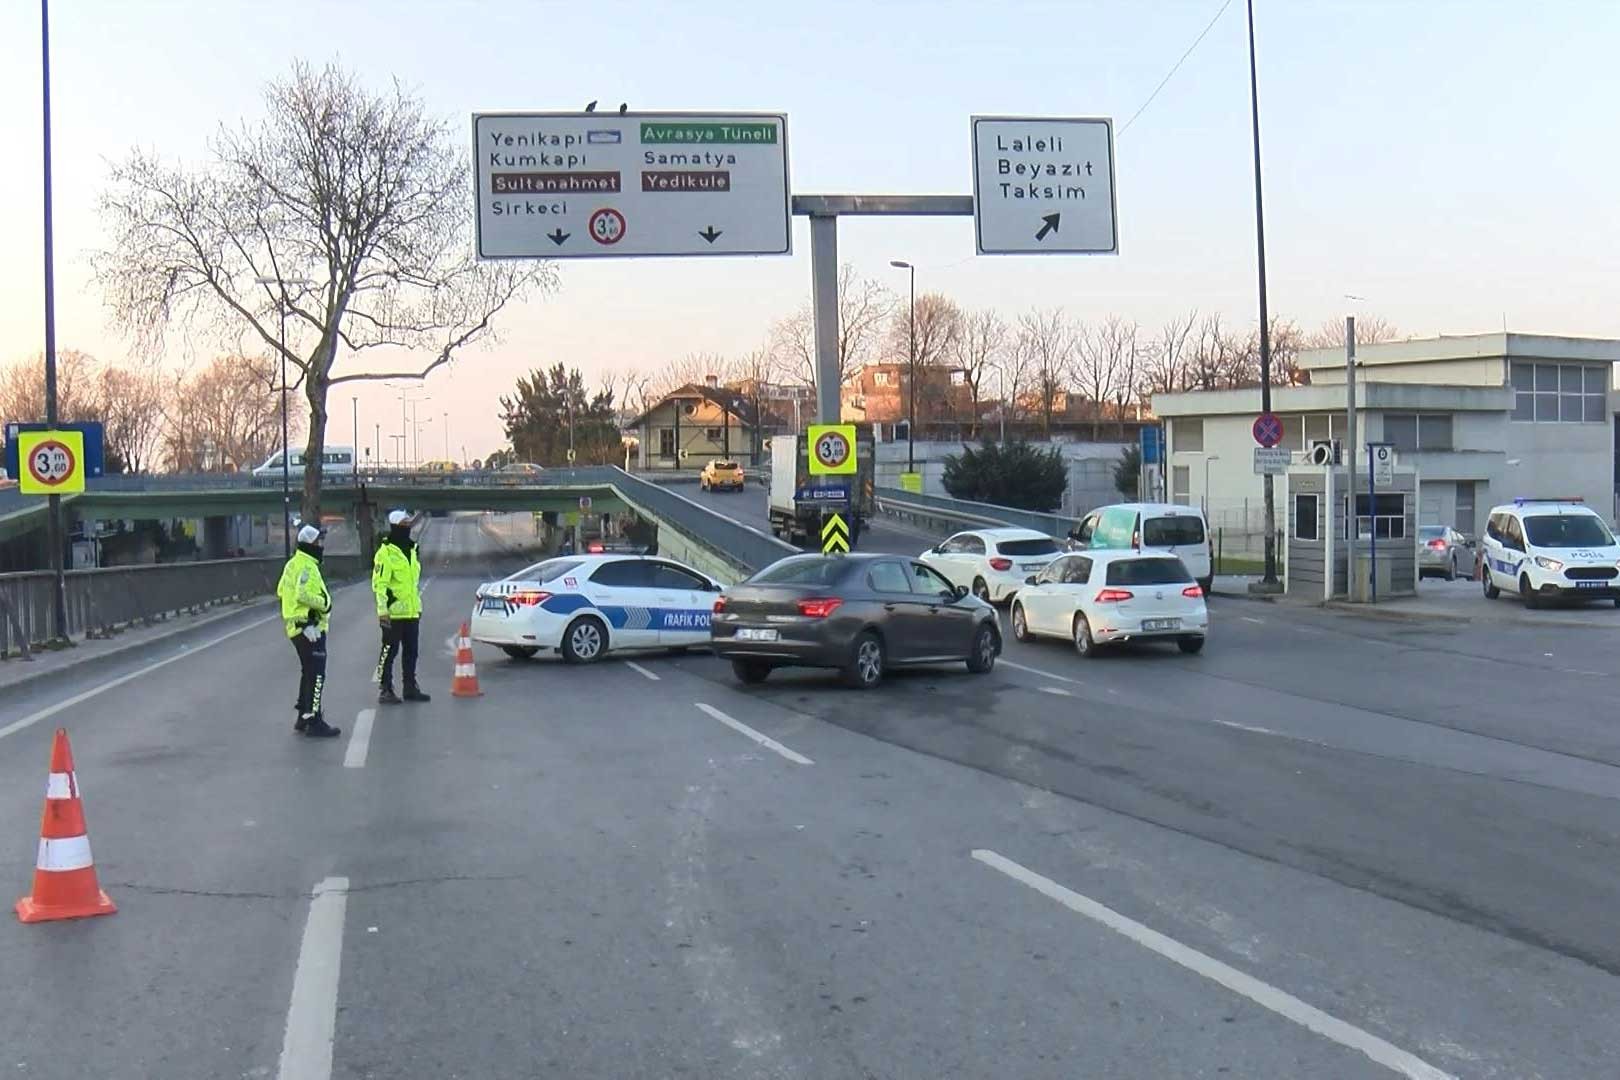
1316 542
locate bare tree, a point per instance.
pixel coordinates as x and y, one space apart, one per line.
1099 358
1370 330
22 388
1167 371
131 407
226 415
693 369
864 305
1286 343
1045 344
1127 384
364 195
981 345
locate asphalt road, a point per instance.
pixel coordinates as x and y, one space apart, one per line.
1326 847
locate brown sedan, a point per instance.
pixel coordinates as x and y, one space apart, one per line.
859 614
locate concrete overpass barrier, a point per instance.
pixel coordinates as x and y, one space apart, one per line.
100 602
941 514
720 547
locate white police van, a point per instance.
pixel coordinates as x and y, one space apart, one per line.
1544 549
585 606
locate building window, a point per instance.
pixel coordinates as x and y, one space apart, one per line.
1322 427
958 378
712 434
1418 431
882 378
666 442
1388 518
1293 433
1305 517
1559 393
1181 482
1186 435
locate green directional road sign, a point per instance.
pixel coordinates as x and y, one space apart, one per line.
835 536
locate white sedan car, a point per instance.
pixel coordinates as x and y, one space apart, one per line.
584 606
1099 597
992 563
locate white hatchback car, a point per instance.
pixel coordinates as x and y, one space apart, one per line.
1544 549
584 606
992 563
1101 597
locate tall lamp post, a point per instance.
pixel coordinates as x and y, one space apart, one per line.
1268 582
55 528
286 466
911 368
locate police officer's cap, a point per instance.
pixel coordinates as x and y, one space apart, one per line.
308 534
398 517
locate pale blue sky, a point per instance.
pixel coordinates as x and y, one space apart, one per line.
1453 162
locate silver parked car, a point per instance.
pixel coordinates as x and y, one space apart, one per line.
1443 551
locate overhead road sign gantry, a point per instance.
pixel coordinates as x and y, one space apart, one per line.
1044 186
607 185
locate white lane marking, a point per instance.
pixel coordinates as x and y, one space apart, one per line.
638 669
1038 671
113 684
1263 994
1248 727
1058 690
354 757
764 740
1251 618
306 1049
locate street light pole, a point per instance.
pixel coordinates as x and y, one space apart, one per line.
286 464
355 403
911 368
56 532
1268 582
446 418
1207 459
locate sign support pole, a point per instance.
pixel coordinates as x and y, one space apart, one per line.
55 533
1350 581
1372 526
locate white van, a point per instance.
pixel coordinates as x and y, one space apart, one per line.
1542 549
335 461
1161 527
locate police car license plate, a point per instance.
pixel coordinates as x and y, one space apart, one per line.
1592 584
1160 624
750 634
492 604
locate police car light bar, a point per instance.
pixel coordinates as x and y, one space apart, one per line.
1522 500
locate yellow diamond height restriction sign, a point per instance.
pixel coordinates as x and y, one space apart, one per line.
51 462
832 449
835 536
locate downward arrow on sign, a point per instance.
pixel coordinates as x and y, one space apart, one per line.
558 237
711 234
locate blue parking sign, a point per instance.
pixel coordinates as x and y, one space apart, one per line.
1152 445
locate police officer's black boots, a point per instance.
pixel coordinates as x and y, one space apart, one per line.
414 693
388 697
316 727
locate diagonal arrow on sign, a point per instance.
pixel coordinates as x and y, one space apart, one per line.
835 536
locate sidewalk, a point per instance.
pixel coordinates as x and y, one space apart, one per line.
1456 601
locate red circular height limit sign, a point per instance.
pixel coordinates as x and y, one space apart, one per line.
1268 430
607 226
832 449
51 462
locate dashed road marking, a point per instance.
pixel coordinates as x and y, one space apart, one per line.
764 740
1038 671
354 757
638 669
306 1048
1251 618
1055 690
1263 994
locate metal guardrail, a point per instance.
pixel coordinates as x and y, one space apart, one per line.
100 602
964 513
748 549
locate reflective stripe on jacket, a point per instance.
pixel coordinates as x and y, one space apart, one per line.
304 599
394 579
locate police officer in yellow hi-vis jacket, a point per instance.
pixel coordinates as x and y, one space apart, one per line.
306 611
396 574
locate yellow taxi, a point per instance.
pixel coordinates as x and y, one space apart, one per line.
721 476
440 466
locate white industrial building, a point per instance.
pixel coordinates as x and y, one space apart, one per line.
1482 418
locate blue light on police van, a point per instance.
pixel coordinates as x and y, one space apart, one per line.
1523 500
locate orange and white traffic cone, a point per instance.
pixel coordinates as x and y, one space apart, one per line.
65 885
465 683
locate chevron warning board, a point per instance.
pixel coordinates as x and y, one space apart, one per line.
835 536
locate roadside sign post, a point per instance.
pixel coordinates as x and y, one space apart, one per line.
1044 186
1380 470
832 449
610 185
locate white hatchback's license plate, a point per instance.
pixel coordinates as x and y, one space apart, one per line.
1160 624
1033 566
749 634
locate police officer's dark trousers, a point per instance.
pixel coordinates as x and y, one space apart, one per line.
401 637
311 673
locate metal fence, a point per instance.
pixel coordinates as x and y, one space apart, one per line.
100 602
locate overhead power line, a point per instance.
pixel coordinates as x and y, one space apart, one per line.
1171 74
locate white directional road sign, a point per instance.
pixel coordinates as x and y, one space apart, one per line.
601 185
1044 186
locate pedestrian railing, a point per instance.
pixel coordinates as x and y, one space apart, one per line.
102 602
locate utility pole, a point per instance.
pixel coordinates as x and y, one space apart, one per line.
911 369
1268 582
1350 582
355 402
55 530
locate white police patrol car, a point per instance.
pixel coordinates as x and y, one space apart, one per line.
584 606
1548 548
